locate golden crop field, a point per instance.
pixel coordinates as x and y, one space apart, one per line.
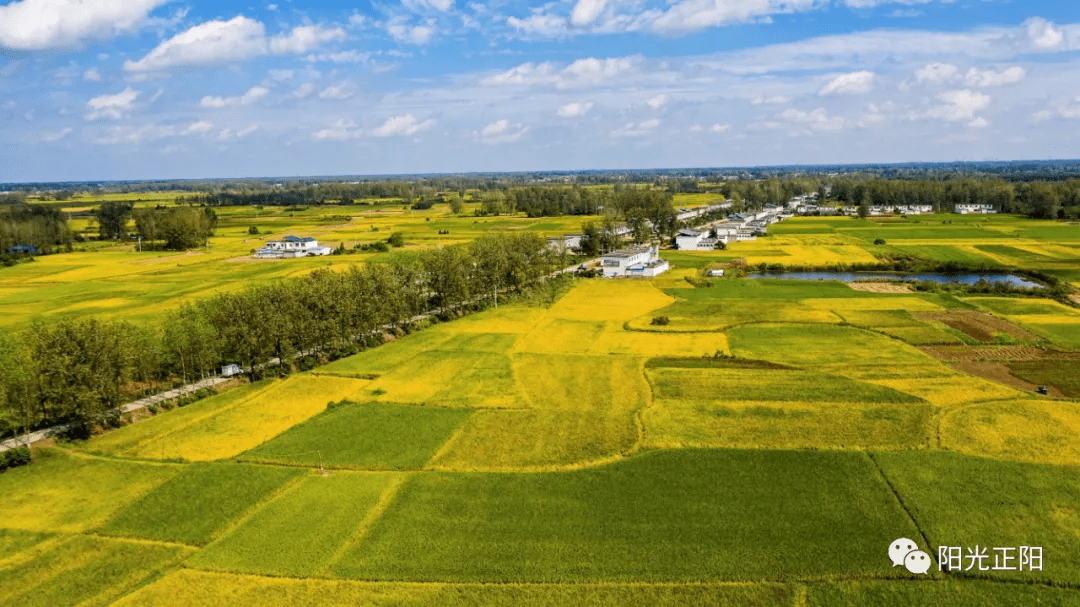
1024 430
255 420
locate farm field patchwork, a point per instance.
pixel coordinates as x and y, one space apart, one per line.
762 448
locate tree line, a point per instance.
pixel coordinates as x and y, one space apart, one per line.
34 225
78 372
172 228
1036 199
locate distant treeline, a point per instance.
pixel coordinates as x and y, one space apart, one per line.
33 225
76 371
1016 171
1037 199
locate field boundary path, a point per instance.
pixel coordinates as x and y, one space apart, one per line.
210 382
45 433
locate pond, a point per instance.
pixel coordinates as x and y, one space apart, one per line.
968 279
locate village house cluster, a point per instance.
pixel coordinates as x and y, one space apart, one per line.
803 205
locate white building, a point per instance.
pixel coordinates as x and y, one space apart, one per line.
688 240
291 246
566 242
634 262
967 209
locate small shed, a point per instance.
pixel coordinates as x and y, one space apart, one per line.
231 370
715 273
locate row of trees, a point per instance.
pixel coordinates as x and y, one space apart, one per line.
174 228
39 226
1036 199
76 371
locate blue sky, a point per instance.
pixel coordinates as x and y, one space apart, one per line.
141 89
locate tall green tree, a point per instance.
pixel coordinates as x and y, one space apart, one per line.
112 218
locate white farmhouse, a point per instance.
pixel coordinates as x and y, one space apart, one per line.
688 240
967 209
634 262
566 242
291 246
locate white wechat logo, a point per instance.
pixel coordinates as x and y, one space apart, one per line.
906 552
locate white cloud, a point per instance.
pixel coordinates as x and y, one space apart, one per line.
282 75
92 75
575 109
719 128
959 106
501 131
855 83
406 126
400 31
440 5
304 90
692 15
936 73
658 101
1043 34
337 91
199 127
304 38
586 11
254 94
639 129
342 57
589 71
226 134
774 100
54 137
112 106
985 78
151 132
818 120
544 25
63 24
342 130
215 42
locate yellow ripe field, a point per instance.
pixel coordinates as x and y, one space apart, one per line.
450 379
1023 430
951 391
615 301
765 250
678 423
891 302
731 313
253 421
73 493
